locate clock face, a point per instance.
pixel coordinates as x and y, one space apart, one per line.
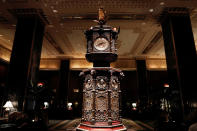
101 44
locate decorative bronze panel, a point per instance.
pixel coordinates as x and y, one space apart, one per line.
101 116
115 89
114 101
101 101
101 97
88 115
115 115
88 100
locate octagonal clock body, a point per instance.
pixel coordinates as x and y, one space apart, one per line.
101 44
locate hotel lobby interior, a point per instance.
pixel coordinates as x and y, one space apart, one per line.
98 65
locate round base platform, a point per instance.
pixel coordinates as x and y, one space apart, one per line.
101 127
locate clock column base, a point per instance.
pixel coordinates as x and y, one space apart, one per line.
99 126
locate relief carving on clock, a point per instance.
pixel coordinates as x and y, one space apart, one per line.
115 115
115 101
114 83
101 116
115 89
101 83
88 115
89 83
88 100
101 103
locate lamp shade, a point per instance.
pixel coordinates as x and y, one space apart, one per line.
8 104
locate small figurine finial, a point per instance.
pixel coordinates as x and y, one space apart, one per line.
101 16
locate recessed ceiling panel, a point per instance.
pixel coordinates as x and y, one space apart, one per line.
125 42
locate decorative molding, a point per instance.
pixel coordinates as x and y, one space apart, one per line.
110 17
107 4
49 64
124 64
156 64
17 1
78 64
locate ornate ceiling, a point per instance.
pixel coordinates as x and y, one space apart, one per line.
66 20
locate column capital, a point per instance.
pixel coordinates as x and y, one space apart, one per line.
29 12
173 11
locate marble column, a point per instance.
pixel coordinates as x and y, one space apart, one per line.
181 59
63 81
25 57
142 84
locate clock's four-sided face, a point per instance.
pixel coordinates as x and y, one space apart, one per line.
101 44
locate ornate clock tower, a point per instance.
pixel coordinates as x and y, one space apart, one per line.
101 43
101 89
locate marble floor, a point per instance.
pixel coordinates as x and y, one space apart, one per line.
70 125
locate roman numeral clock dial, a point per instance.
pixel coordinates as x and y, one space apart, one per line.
101 44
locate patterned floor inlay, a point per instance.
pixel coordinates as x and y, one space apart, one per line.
70 125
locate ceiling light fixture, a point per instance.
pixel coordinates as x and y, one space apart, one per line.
162 3
151 10
78 17
50 26
55 11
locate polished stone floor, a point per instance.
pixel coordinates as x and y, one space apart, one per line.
70 125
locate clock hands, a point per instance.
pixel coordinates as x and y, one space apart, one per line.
101 44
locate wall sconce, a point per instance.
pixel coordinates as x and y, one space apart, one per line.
69 106
8 106
40 85
134 105
46 105
76 103
76 90
166 85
